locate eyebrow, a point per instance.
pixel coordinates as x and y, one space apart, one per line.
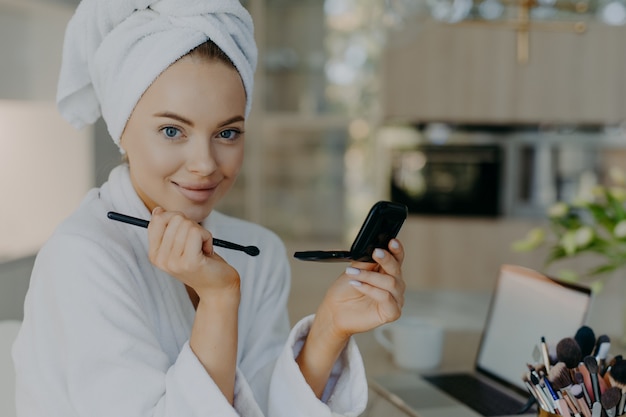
190 123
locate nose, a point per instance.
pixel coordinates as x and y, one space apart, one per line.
200 159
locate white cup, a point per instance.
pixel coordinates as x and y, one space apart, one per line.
415 343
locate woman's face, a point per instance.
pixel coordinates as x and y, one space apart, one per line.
185 138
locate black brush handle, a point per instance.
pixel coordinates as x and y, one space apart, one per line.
250 250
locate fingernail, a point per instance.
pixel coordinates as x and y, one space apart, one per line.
379 253
355 283
395 244
352 271
154 210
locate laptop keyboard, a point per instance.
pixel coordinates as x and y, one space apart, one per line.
476 394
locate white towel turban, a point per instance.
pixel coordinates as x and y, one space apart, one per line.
115 49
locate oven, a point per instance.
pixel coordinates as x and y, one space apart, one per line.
449 179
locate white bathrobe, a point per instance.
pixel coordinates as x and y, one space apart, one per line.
106 333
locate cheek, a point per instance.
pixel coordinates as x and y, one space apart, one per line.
152 162
230 160
161 160
236 162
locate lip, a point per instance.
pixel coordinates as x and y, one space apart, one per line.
198 193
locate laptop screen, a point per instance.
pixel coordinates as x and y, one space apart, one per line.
525 306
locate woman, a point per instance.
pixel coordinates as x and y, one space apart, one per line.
120 321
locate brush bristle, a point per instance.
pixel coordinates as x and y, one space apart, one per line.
618 372
568 352
540 369
591 364
577 391
586 339
601 339
610 398
559 376
579 378
534 379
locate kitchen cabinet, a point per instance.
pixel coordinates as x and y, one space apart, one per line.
469 73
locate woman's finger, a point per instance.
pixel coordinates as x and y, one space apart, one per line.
396 248
365 266
193 246
387 306
207 242
168 240
386 283
390 260
168 235
156 228
181 239
388 263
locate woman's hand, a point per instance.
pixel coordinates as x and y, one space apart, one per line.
184 249
366 296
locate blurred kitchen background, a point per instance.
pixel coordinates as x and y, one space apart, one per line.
478 114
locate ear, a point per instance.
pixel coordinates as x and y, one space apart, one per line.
120 145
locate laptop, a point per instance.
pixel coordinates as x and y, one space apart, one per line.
525 306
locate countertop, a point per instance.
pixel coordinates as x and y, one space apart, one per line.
462 315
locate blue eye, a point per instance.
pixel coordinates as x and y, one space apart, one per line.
171 132
229 134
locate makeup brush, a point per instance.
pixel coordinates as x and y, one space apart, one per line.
577 391
560 376
601 339
559 402
250 250
596 410
561 381
544 353
531 389
532 370
586 340
622 401
587 381
603 345
592 367
610 399
609 366
571 402
580 381
534 395
542 397
540 369
568 352
617 378
617 372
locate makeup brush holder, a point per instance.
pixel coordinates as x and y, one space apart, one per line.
544 413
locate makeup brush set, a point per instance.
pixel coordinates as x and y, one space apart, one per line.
577 377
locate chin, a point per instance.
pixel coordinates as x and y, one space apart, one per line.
197 214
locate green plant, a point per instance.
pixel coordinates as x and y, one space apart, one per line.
594 223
